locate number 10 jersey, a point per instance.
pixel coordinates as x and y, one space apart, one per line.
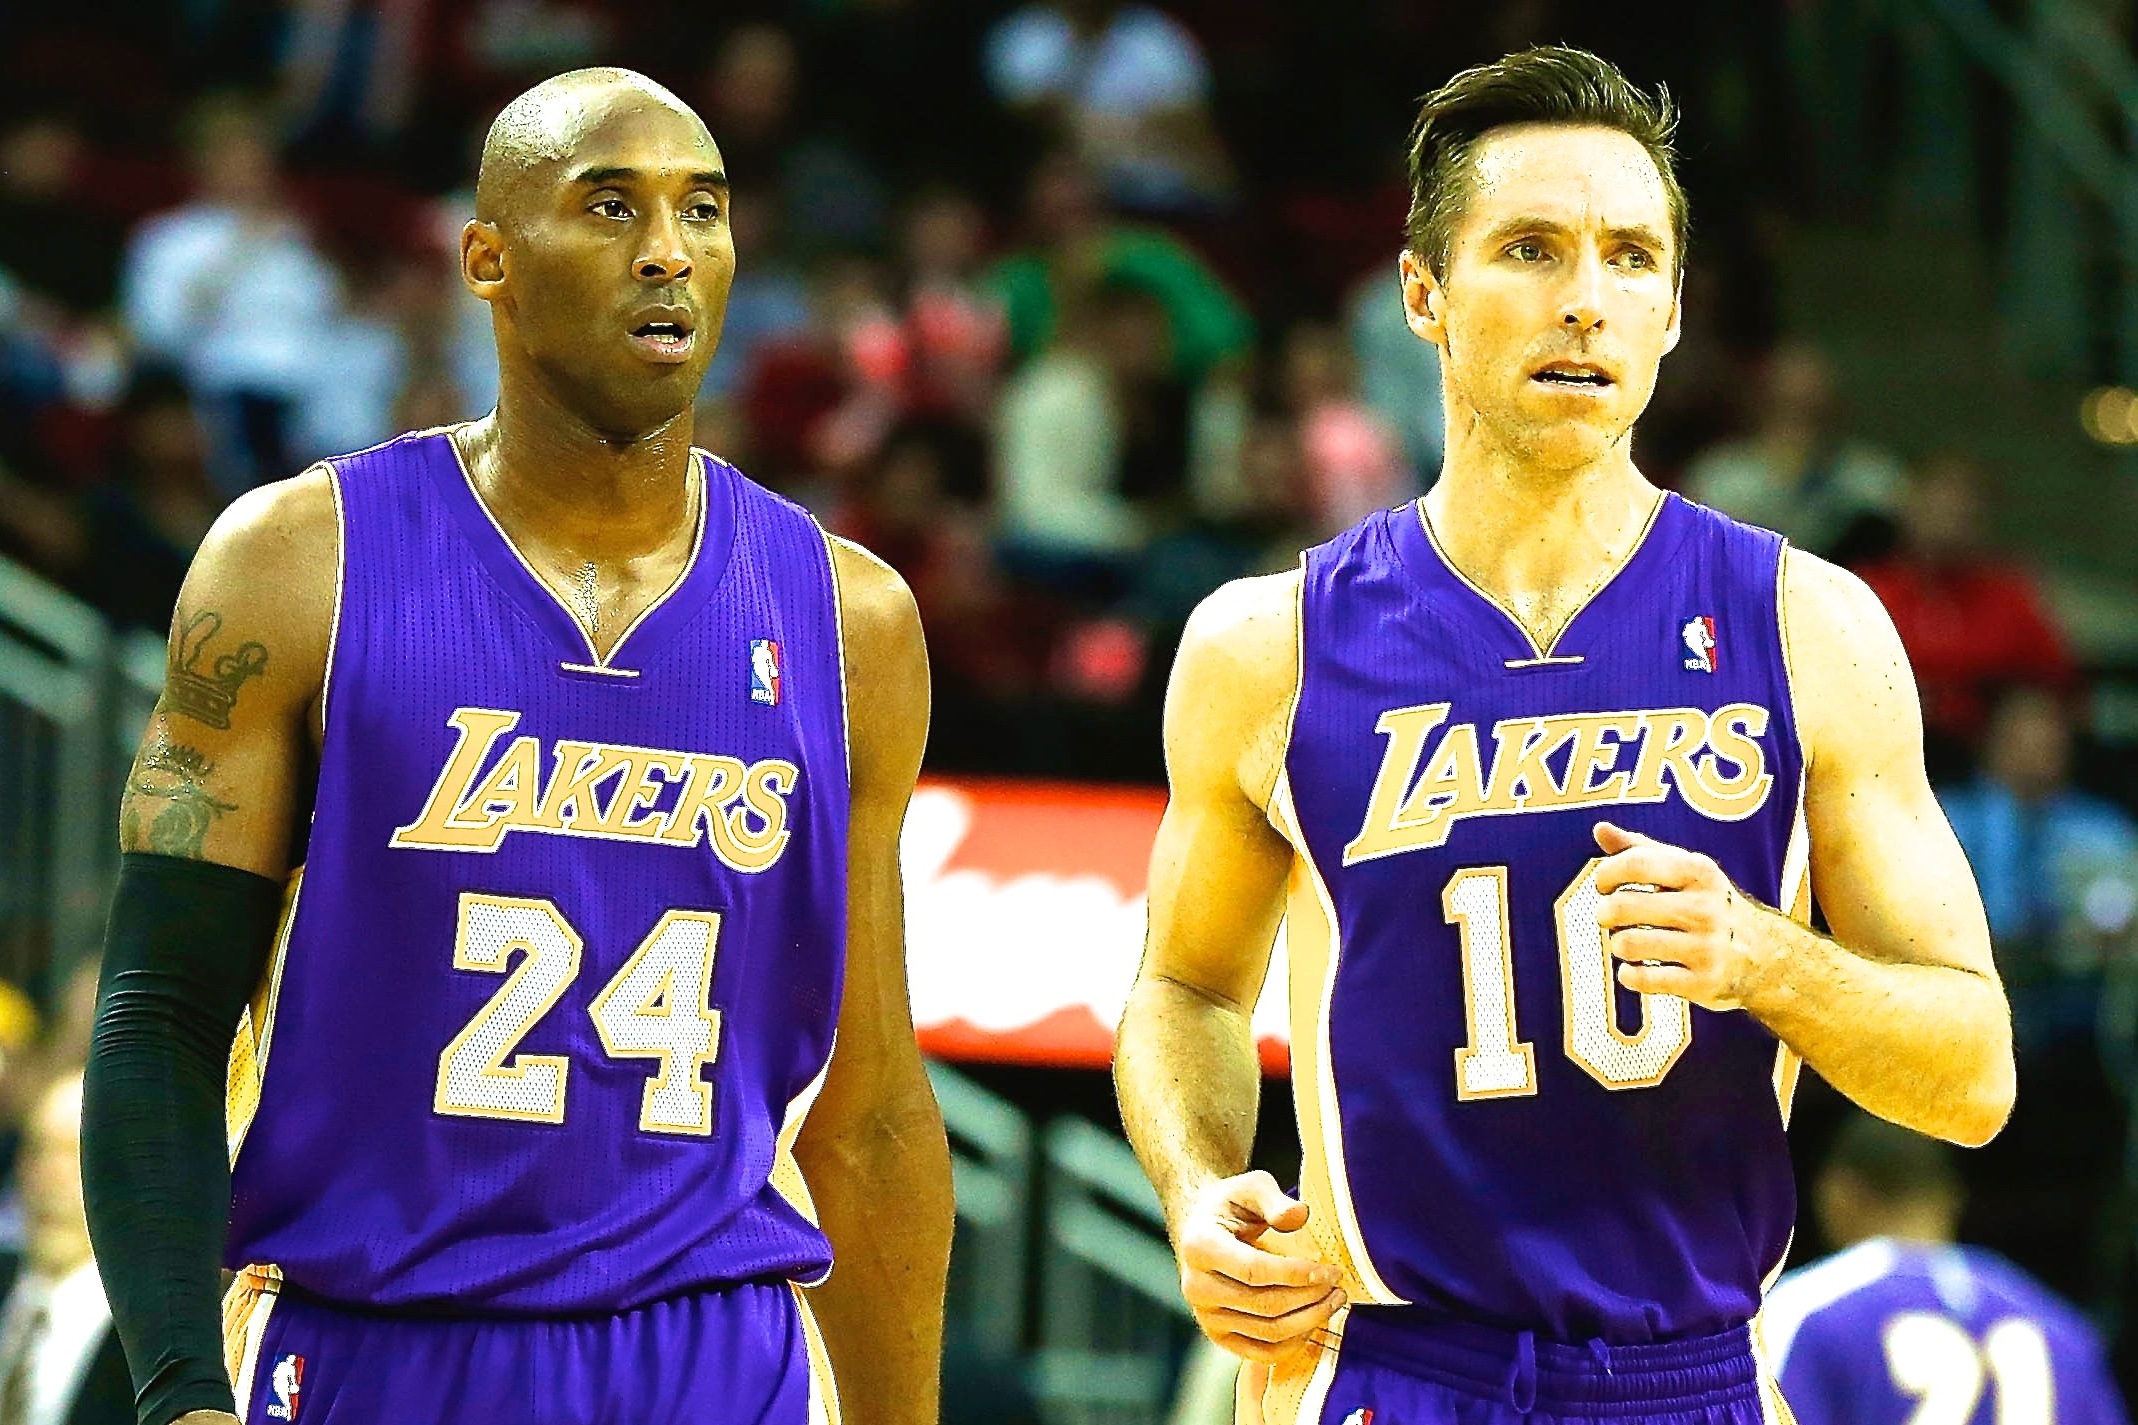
559 975
1493 1128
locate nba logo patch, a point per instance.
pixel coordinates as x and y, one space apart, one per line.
764 672
1700 652
287 1383
1360 1416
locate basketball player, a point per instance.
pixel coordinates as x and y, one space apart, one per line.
597 755
1902 1325
1541 769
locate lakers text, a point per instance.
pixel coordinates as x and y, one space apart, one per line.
1713 760
600 790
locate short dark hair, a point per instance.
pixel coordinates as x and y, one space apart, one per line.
1549 84
1893 1163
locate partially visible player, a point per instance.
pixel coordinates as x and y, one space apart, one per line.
1901 1325
538 781
1542 772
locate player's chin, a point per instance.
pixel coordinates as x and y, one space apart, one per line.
1560 438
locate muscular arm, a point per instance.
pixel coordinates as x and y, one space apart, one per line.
205 824
1185 1065
873 1149
1185 1068
1901 1009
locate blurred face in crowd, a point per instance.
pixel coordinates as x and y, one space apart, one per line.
946 235
752 83
233 162
1135 336
1944 511
2029 748
607 262
1798 393
52 1180
1560 296
37 160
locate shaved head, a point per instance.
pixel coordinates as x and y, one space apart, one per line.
543 127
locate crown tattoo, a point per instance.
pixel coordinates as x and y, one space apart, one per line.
207 695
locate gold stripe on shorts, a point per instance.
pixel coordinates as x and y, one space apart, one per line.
246 1308
823 1390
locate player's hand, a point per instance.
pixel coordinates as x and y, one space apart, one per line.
205 1417
1256 1303
1675 919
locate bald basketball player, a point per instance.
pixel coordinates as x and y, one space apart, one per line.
524 802
1542 772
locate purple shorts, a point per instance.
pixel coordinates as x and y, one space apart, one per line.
1390 1365
746 1355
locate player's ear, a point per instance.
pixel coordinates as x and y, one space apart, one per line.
1424 299
482 259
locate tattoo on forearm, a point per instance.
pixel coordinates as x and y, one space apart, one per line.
176 776
207 694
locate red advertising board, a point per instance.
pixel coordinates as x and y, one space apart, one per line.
1025 920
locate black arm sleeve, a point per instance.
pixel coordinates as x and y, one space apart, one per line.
186 946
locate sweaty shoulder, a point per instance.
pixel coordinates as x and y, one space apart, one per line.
269 572
1848 671
1229 707
886 660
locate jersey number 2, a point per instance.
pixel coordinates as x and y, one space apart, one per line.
654 1008
1496 1063
1932 1359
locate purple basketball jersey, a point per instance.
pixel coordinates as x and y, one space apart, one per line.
1888 1332
1493 1128
561 968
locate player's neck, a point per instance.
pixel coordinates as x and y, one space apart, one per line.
1524 534
545 472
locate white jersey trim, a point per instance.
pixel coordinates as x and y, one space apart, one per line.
1805 1293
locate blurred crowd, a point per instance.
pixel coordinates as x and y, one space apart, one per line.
1070 309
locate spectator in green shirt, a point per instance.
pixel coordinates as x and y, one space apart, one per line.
1074 240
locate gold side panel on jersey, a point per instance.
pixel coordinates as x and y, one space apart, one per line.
246 1309
1332 1232
247 1073
838 638
823 1386
1295 1392
1795 901
787 1179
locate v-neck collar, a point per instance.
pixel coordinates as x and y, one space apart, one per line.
655 624
1420 549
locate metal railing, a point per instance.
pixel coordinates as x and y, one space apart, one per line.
2072 200
58 777
991 1164
1112 1324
